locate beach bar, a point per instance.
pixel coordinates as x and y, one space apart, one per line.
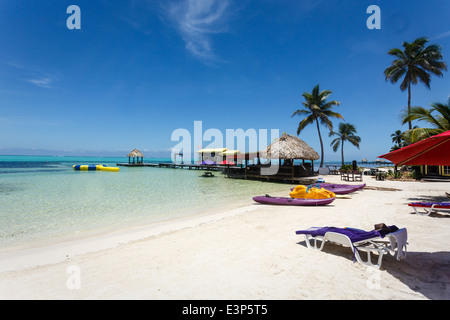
285 150
211 156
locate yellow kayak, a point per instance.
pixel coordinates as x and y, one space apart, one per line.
311 193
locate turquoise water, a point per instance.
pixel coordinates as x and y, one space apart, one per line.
43 200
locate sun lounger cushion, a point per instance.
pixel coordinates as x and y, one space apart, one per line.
429 204
355 235
360 240
426 208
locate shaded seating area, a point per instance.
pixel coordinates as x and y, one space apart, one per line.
220 156
351 176
333 169
286 150
278 162
137 156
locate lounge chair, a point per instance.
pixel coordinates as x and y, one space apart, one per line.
426 208
379 241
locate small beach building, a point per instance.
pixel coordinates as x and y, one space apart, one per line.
211 155
138 157
285 150
229 157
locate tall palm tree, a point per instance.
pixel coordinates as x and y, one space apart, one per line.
346 132
438 116
415 63
397 138
317 109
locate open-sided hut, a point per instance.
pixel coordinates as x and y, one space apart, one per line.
138 157
210 155
286 149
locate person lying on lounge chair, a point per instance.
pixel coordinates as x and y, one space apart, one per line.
382 239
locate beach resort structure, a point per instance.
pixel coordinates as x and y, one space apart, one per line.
138 157
250 165
435 172
218 156
284 150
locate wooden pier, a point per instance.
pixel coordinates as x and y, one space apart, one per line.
236 172
177 166
288 174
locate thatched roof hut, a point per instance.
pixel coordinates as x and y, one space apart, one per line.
136 154
288 147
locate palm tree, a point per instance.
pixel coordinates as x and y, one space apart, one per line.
414 64
317 109
397 138
438 116
346 132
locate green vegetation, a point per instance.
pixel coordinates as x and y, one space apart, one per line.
438 117
317 109
415 63
346 132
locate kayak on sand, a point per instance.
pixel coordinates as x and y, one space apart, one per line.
340 188
292 201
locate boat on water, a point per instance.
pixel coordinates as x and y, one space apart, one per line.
292 201
95 167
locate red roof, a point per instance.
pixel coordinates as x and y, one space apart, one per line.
434 150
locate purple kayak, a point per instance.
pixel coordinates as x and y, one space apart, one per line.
293 201
340 188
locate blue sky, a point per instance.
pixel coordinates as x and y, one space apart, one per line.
138 70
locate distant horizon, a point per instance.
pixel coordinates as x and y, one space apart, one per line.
167 157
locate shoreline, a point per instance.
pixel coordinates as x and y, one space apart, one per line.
18 257
246 252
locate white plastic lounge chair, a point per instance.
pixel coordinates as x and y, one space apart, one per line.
427 208
371 242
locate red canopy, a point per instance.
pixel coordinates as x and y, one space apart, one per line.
434 151
228 162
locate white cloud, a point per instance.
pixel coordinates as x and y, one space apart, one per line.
41 82
442 35
197 20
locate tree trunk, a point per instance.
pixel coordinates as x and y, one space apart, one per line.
409 104
321 144
342 152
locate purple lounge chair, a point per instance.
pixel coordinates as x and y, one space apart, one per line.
386 240
426 208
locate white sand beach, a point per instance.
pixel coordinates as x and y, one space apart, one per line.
247 252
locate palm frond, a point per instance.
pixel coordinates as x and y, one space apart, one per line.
308 120
300 112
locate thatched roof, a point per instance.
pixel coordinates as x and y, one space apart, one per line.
135 154
289 147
